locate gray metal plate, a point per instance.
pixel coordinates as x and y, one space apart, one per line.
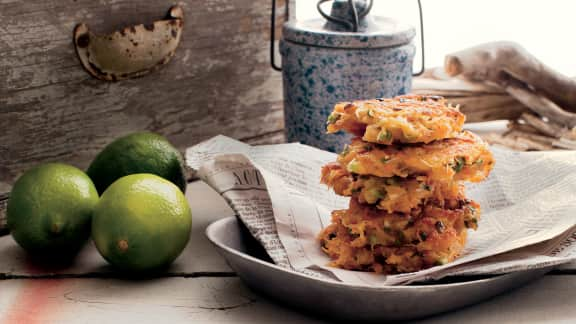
337 300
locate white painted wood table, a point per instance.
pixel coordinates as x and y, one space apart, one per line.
200 288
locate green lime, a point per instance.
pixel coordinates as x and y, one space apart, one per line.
141 223
137 153
50 208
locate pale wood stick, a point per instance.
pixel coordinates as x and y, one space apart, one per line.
512 143
539 104
545 140
569 134
517 143
529 144
526 128
565 143
488 62
534 145
549 129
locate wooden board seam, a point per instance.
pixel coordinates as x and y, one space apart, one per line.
203 274
118 275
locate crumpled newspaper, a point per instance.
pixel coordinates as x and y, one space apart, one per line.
528 209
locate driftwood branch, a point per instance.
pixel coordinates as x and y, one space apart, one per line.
515 125
542 139
517 143
492 62
540 104
549 96
565 144
524 77
550 129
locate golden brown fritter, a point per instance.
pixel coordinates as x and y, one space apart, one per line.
403 119
370 225
390 194
394 259
365 238
465 157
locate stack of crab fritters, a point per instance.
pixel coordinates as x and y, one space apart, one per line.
408 210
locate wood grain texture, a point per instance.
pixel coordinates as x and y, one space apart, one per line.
165 300
227 300
489 107
219 81
276 137
478 101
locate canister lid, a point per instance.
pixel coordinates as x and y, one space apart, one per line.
373 31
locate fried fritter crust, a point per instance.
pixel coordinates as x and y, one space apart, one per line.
390 194
403 119
365 238
391 259
465 157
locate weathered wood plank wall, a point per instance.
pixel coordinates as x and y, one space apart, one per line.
219 81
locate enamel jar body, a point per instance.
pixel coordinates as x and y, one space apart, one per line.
322 67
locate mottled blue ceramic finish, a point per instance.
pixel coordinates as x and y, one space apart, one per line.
325 62
316 78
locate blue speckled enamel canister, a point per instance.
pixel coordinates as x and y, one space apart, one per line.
324 61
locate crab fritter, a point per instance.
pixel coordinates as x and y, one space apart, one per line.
403 119
392 259
390 194
365 238
463 158
370 226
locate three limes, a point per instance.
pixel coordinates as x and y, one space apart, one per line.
141 223
140 152
50 209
